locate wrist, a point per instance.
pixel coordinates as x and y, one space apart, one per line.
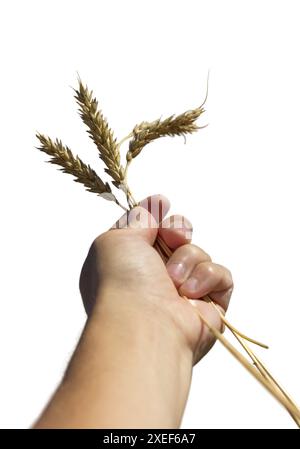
135 311
143 338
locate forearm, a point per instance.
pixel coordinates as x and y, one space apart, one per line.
131 369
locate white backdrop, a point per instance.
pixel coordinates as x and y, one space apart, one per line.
237 180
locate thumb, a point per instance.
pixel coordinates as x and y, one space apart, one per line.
139 223
143 220
142 223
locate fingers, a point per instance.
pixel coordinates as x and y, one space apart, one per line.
196 276
143 219
183 261
156 205
211 279
175 230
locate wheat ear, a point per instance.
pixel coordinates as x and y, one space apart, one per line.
179 125
99 132
62 155
146 132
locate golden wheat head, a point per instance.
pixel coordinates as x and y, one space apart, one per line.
99 132
146 132
62 155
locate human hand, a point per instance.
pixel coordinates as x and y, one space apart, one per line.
124 275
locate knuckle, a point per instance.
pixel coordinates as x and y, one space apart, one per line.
197 252
205 270
230 278
102 239
209 269
227 275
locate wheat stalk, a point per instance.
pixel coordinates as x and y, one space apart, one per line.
62 155
99 132
261 377
146 132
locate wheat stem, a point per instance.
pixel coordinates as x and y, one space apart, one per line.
232 328
282 399
257 362
121 205
265 372
124 140
130 199
126 169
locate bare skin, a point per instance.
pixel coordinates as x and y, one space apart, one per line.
132 367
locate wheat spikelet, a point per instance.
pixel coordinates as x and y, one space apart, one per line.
63 156
99 132
146 132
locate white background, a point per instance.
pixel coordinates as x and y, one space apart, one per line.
237 180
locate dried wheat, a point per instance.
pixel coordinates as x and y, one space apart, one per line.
146 132
63 156
100 132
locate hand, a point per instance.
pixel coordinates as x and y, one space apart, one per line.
133 363
124 274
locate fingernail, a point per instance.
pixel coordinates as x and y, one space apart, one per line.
192 284
176 271
156 205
